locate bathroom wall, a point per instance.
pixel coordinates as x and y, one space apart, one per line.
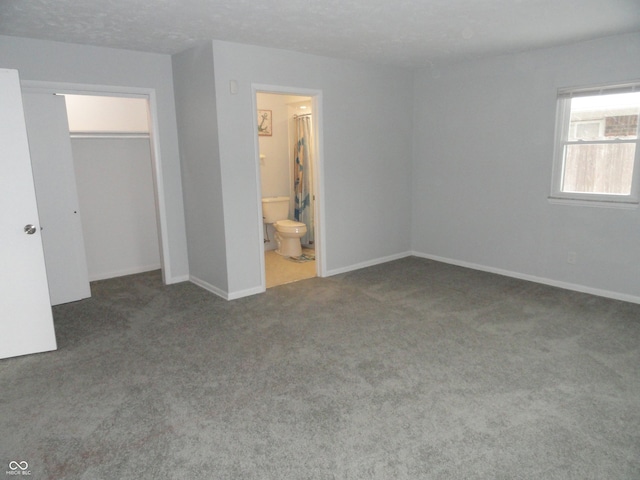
275 176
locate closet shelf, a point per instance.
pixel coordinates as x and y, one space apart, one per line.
109 134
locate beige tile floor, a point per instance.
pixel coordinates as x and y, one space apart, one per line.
279 270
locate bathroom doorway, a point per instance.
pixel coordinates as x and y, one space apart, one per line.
288 166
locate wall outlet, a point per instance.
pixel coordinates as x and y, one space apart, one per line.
572 257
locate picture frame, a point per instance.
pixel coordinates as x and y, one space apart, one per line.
264 123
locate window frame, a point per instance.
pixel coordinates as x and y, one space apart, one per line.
563 113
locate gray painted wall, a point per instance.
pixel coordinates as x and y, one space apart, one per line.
115 194
464 178
198 131
484 138
367 125
66 63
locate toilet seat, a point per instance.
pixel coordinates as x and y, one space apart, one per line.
289 226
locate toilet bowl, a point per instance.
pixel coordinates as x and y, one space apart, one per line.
288 234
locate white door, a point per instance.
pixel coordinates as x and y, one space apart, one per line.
26 321
56 192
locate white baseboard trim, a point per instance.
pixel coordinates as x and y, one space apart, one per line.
245 293
178 279
122 273
532 278
368 263
208 287
223 294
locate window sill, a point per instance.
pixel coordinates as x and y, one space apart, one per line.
580 202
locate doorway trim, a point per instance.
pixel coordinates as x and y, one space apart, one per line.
36 86
318 170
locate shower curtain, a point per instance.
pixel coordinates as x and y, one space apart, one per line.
302 174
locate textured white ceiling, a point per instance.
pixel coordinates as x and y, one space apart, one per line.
396 32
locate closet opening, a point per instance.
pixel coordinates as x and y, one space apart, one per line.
112 157
105 182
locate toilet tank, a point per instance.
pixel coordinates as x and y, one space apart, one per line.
275 208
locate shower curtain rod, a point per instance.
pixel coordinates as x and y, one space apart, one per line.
303 115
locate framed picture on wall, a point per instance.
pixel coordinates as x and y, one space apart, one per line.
264 123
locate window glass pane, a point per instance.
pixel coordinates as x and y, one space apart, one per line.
604 117
599 168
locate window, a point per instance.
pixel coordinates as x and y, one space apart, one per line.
597 147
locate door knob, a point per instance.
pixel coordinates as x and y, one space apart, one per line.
29 229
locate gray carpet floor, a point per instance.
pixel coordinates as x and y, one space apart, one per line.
408 370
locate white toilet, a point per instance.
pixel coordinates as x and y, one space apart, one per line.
275 210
